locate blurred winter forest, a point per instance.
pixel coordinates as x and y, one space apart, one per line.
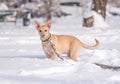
52 8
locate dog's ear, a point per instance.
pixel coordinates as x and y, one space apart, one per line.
49 23
37 24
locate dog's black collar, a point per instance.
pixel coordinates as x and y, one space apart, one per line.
47 39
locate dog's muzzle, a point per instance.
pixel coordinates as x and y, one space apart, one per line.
42 36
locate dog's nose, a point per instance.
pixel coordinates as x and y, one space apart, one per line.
42 35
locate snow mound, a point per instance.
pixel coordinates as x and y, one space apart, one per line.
46 71
99 20
109 57
64 67
115 78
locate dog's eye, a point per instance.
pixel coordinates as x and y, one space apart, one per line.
45 30
40 30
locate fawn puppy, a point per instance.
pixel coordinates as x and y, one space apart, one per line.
53 45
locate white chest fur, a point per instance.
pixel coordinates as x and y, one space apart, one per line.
48 49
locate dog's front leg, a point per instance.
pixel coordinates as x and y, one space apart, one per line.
48 56
53 56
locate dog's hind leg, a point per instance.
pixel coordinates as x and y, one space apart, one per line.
74 53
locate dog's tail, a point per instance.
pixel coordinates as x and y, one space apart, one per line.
92 47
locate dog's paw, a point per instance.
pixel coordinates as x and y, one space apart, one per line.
47 58
71 61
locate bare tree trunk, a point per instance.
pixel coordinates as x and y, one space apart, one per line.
100 7
48 5
88 22
104 66
97 5
51 8
88 18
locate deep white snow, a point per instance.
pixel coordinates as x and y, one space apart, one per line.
22 60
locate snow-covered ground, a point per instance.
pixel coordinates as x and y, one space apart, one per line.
22 60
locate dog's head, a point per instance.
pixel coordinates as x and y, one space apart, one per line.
44 30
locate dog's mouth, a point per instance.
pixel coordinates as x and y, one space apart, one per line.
45 38
42 36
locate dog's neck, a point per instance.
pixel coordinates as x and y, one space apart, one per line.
46 40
